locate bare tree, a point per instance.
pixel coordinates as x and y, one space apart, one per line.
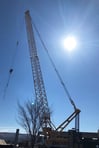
28 117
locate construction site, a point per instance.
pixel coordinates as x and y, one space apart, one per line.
50 135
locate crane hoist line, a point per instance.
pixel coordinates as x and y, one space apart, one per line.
56 70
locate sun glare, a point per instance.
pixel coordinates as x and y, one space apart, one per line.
70 43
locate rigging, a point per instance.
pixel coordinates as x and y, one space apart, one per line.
76 110
10 72
56 70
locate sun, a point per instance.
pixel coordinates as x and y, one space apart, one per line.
70 43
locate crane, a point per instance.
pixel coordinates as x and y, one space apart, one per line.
40 93
52 133
76 110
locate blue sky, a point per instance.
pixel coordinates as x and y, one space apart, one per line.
54 19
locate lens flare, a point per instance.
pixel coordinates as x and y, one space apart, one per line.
70 43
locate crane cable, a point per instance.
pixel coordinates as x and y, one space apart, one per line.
10 72
60 78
